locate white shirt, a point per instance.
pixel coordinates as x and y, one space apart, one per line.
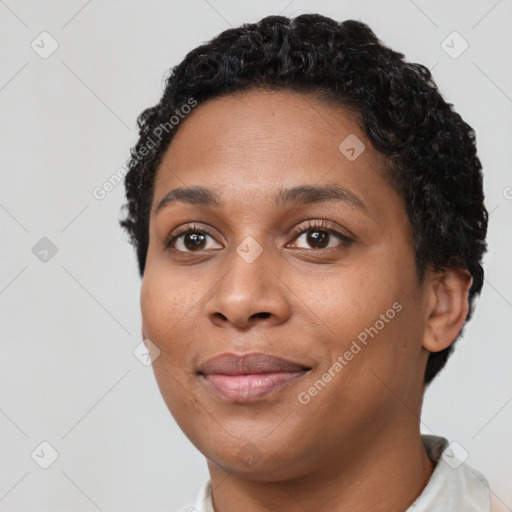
454 486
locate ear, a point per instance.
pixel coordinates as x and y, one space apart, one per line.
447 299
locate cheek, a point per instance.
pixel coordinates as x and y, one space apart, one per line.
164 308
163 304
371 315
353 299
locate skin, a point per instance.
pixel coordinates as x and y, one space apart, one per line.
356 445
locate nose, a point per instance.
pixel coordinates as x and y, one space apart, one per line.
250 293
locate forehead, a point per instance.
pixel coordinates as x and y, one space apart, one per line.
261 142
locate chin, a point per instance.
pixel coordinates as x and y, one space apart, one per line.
255 457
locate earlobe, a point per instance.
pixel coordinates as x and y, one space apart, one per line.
447 307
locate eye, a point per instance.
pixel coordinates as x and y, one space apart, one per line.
319 234
190 239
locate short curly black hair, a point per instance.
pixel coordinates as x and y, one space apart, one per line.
430 150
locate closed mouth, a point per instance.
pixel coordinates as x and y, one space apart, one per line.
249 377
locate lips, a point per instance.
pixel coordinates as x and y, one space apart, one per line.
248 377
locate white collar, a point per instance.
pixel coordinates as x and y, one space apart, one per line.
453 485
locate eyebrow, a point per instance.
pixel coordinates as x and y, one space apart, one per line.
305 194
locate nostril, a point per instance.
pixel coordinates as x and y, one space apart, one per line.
262 315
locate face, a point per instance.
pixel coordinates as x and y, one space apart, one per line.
284 298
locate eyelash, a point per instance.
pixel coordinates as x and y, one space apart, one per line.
311 225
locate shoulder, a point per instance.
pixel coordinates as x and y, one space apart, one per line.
454 485
203 501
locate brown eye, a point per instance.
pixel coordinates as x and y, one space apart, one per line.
318 239
190 240
194 241
320 236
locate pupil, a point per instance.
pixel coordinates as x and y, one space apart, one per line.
197 241
318 238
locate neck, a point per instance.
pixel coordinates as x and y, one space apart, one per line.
389 476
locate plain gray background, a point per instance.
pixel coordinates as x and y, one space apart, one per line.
70 323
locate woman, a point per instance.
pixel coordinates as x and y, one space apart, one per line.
309 223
